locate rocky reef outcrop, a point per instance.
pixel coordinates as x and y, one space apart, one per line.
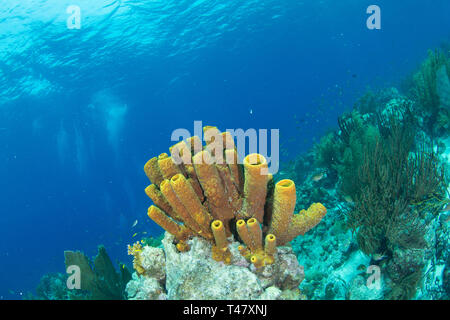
171 274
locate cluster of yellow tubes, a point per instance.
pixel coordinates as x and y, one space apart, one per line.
204 191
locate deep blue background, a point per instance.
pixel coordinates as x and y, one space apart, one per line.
65 184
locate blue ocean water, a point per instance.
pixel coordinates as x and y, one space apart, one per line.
82 110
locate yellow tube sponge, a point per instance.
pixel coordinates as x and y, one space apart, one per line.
304 221
153 172
220 236
244 251
243 233
158 199
220 251
203 190
181 152
254 229
178 207
255 186
190 201
197 188
217 142
233 197
211 135
195 143
212 186
283 206
167 166
270 246
251 234
167 224
228 140
232 160
257 260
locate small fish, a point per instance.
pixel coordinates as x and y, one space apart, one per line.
318 177
134 224
348 199
251 111
378 256
134 235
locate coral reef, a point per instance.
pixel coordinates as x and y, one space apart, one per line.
399 222
396 192
196 275
52 286
205 192
231 231
148 260
145 288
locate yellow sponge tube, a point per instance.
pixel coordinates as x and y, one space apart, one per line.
195 143
304 221
187 196
178 207
197 188
232 194
212 186
257 260
166 223
211 134
158 198
219 234
167 166
255 186
231 158
243 233
214 143
254 229
284 199
153 172
182 153
228 140
270 247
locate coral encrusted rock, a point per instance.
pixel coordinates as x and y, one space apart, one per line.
196 275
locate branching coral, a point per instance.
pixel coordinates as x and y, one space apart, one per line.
204 191
391 178
396 190
342 153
